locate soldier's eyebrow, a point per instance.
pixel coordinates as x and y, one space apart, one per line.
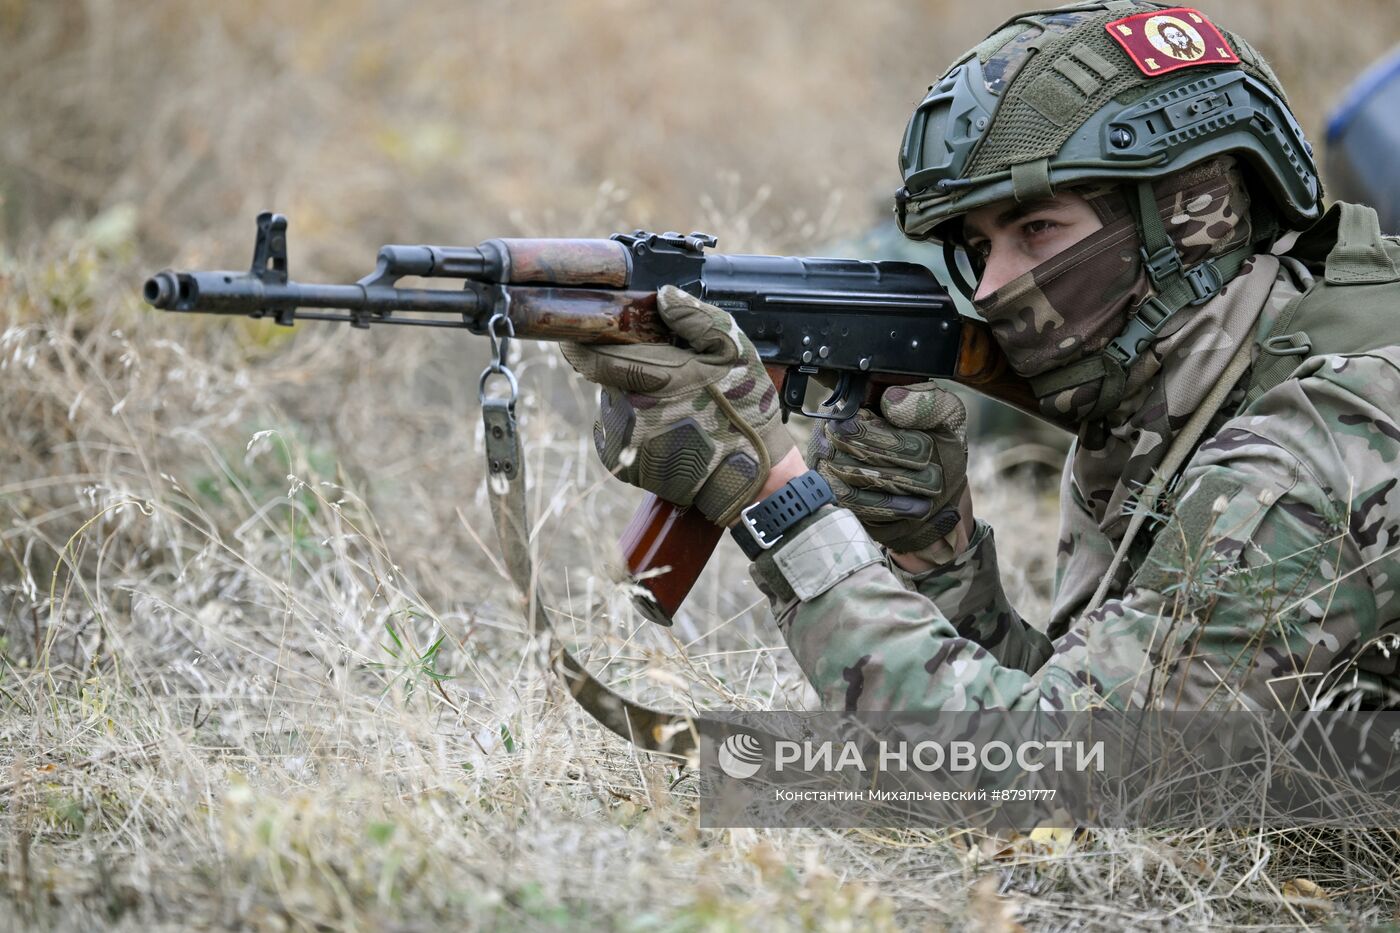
1009 216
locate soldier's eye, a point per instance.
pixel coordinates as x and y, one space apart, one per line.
1035 227
979 248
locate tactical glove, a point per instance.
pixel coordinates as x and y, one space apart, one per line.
903 475
695 426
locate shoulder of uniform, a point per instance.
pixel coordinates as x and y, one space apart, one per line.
1339 416
1370 375
1332 384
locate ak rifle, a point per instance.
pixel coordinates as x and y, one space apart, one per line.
855 327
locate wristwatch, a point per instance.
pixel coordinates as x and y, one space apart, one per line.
764 523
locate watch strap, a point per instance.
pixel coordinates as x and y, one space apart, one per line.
764 523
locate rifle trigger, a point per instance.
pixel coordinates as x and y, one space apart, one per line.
839 392
846 398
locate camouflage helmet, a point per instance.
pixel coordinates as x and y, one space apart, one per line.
1124 91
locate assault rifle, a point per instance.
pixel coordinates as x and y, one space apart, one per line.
853 326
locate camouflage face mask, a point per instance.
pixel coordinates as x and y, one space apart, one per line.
1070 306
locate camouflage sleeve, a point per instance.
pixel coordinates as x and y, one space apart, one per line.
1259 589
1083 554
868 642
969 594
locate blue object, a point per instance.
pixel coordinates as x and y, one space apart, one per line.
1363 142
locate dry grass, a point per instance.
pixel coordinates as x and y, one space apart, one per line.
229 551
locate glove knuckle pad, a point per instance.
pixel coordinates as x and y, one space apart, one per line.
673 462
632 376
732 481
943 523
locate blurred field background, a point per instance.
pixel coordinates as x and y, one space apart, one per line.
258 667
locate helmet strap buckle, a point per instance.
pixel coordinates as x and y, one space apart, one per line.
1144 324
1161 264
1204 281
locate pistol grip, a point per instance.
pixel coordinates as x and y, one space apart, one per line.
664 535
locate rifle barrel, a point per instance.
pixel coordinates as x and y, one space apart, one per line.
242 293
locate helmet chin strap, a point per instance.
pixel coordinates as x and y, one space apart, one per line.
955 273
1174 288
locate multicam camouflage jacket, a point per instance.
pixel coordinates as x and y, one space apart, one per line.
1269 581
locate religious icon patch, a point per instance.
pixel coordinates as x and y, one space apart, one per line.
1165 40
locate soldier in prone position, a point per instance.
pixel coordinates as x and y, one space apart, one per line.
1126 180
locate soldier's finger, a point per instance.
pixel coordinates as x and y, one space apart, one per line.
868 438
819 448
866 502
927 481
870 505
924 406
644 368
583 359
612 431
710 331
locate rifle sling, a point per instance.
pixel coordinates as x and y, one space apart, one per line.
651 730
1181 449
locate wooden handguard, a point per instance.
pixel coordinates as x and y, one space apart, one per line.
562 262
662 535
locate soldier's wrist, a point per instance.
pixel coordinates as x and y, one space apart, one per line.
784 471
934 557
816 554
775 518
940 553
946 550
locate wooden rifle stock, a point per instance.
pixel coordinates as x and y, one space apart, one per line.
662 535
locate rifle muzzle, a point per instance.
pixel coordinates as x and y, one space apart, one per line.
163 290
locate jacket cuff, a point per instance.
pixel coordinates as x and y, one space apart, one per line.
971 555
821 552
973 569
